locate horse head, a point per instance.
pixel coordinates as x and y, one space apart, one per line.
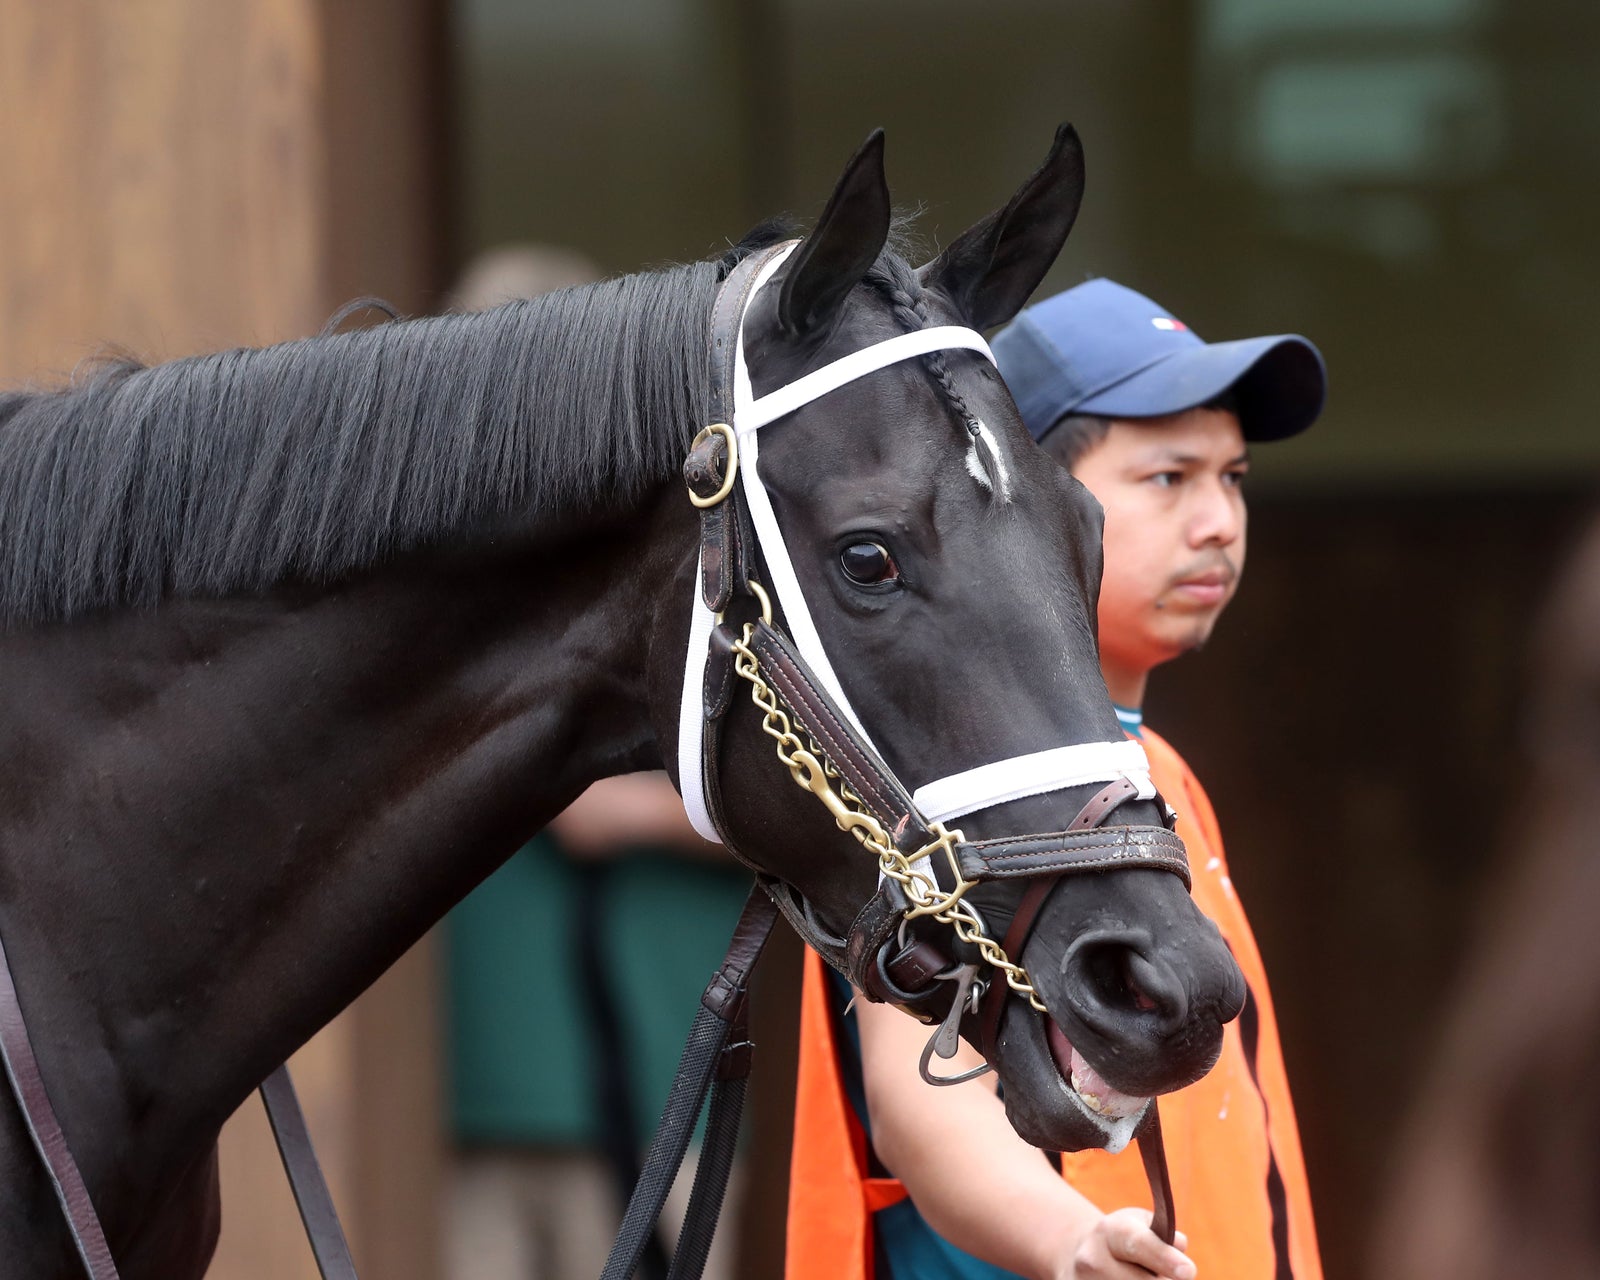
946 570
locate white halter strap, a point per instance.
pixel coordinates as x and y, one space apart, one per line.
962 793
1032 775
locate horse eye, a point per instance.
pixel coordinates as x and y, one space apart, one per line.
868 563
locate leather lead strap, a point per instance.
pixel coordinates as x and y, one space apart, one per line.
310 1188
288 1128
715 1061
1153 1151
22 1069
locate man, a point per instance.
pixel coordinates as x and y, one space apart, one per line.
1155 423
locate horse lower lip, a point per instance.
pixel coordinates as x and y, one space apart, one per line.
1085 1081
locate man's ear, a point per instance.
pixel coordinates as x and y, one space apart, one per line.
991 268
847 239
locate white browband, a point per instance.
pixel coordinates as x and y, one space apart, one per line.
961 793
802 391
1033 775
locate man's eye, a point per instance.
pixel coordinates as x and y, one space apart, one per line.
1167 479
868 563
1234 478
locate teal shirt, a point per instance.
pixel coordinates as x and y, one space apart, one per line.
522 1060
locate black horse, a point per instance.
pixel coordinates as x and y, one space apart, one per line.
300 643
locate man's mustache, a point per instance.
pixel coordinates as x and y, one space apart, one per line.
1214 565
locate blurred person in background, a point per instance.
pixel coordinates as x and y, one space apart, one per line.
1157 425
573 974
1500 1166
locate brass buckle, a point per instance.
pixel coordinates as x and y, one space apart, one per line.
726 432
937 900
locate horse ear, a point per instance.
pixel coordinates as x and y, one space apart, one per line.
847 239
990 269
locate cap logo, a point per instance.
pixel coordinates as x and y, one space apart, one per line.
1168 323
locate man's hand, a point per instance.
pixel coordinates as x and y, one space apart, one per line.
1121 1246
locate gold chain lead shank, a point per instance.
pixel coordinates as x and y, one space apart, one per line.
811 770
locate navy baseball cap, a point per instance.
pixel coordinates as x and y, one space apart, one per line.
1101 348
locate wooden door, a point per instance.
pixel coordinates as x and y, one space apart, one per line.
183 175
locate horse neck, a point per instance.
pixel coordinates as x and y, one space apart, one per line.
230 816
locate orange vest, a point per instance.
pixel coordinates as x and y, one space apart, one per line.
1238 1179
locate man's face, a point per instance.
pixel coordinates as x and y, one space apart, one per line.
1174 534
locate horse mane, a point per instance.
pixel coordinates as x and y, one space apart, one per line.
229 472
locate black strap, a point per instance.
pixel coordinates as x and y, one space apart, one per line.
621 1138
310 1188
717 1047
710 1177
22 1069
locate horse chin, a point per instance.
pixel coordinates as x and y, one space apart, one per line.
1037 1066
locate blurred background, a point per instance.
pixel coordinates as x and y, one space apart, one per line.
1409 183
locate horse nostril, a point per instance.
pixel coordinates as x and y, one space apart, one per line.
1155 988
1121 978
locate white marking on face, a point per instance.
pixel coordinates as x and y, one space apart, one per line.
980 473
975 468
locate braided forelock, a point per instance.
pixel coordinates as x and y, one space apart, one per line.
895 279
